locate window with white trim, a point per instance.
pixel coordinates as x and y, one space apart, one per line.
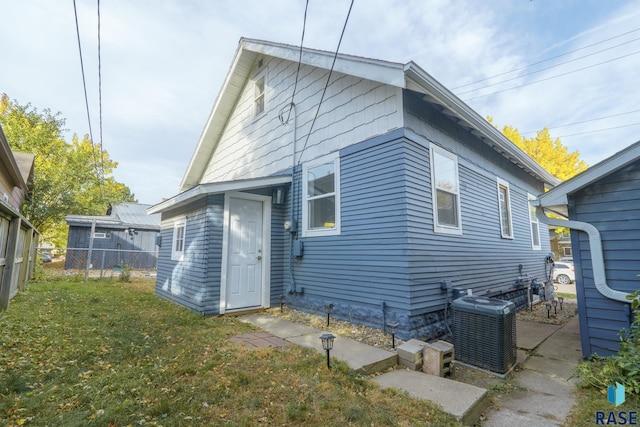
101 233
535 226
178 241
321 197
258 95
504 207
445 191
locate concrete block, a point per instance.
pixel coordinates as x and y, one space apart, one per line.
410 354
411 350
438 358
414 366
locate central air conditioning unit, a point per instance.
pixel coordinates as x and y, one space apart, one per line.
484 333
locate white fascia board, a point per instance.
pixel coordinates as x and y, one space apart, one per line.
559 195
203 190
248 49
222 108
386 72
421 81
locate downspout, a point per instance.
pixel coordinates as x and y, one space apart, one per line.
597 256
292 284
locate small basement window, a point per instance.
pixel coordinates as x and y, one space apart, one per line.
102 234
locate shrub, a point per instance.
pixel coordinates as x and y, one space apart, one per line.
125 274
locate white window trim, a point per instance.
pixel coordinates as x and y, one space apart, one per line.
532 220
437 228
333 231
177 223
501 183
262 74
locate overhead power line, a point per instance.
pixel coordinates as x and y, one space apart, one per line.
100 95
547 68
326 85
583 121
552 77
84 81
599 130
295 85
546 60
99 170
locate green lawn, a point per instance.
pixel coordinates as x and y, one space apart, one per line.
113 354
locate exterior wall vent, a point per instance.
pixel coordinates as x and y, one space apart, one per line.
484 333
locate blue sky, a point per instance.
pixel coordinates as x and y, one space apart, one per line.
163 63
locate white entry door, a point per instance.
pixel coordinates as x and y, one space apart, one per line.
244 268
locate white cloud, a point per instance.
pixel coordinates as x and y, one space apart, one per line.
164 61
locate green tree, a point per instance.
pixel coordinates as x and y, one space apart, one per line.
69 178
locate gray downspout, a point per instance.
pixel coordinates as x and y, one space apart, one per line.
597 256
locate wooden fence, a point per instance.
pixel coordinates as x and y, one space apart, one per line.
18 242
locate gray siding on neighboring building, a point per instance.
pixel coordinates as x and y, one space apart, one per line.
612 205
116 249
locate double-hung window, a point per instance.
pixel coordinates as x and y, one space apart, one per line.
178 241
446 191
504 207
535 226
321 197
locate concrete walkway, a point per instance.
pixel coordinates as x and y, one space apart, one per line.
465 402
546 354
545 395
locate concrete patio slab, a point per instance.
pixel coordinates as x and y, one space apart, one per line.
530 335
464 401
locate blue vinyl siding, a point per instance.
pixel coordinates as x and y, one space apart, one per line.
195 281
388 252
387 262
612 205
367 263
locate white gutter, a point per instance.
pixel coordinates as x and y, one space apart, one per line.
597 255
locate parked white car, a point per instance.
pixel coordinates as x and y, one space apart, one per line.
564 273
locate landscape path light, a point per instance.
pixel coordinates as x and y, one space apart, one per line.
328 308
327 345
548 306
561 299
555 306
392 327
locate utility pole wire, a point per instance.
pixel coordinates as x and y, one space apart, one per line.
335 57
545 60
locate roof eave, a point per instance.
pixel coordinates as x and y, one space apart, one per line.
203 190
248 49
435 92
560 194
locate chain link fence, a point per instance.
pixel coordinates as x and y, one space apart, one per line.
102 262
